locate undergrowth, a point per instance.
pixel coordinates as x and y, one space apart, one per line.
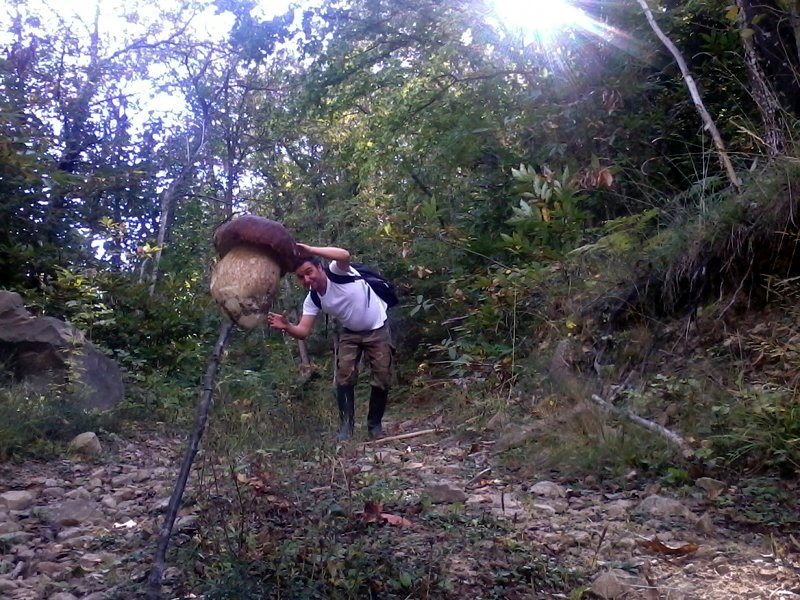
292 523
37 425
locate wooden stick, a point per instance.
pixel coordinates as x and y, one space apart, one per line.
405 436
159 563
477 477
670 436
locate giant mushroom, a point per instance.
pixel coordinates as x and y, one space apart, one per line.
255 252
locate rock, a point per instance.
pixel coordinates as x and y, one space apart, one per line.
86 443
79 493
664 507
618 508
15 537
73 512
514 436
18 499
98 473
386 458
713 487
498 421
121 480
548 489
445 494
626 543
546 509
10 527
186 524
616 583
44 353
51 569
581 538
63 596
705 525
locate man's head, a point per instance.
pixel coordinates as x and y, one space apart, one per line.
311 273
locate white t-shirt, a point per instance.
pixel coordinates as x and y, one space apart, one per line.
355 304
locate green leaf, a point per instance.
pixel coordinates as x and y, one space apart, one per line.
732 13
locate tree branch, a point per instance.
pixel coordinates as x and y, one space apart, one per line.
670 436
695 94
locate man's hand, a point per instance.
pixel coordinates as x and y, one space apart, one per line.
277 321
340 255
304 249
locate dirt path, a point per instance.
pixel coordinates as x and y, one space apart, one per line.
440 504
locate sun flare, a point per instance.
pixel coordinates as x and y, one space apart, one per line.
542 19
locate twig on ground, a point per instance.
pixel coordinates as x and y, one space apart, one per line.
671 436
405 436
159 563
477 477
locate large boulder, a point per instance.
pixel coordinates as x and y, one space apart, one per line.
43 352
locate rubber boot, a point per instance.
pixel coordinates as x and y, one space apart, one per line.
345 397
377 406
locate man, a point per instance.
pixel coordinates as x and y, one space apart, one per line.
362 315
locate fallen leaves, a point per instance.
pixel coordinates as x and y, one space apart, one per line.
373 513
659 547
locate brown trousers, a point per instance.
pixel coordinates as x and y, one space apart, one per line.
376 346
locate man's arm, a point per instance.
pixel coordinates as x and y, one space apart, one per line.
299 331
340 255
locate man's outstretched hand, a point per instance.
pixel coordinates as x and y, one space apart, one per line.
277 321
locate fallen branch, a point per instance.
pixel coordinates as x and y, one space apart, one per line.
156 573
405 436
478 477
671 436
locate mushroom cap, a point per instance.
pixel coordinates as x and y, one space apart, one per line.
264 233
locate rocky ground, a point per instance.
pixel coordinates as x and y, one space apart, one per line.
85 526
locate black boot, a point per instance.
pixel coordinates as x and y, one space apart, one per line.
345 397
377 406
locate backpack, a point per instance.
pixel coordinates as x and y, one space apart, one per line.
377 283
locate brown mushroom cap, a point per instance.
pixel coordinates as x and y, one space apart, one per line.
261 232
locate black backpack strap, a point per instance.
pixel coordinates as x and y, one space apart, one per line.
336 278
315 299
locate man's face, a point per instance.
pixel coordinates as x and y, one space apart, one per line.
312 277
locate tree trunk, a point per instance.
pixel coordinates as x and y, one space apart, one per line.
168 198
794 18
767 102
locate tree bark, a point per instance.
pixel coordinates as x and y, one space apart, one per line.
769 107
167 210
795 17
695 94
203 406
170 195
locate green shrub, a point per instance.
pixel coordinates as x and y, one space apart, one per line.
33 424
